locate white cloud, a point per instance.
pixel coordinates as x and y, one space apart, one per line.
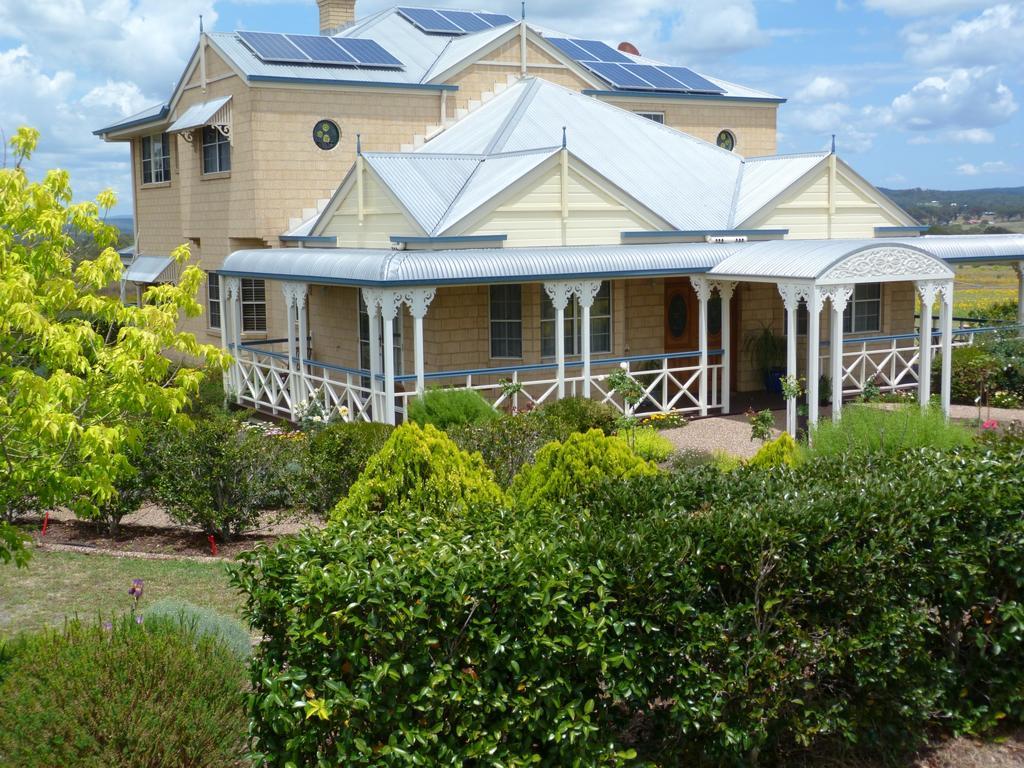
965 136
994 37
853 133
922 7
967 98
125 97
994 166
822 88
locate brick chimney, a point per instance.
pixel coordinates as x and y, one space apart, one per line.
335 14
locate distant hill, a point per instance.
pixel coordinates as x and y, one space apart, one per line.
125 223
937 206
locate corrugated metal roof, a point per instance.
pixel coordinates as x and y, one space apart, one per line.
765 178
425 185
804 260
156 112
147 269
198 115
459 49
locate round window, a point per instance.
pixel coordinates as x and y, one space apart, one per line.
326 134
677 316
715 315
726 140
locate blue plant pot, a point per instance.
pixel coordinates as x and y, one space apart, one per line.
773 380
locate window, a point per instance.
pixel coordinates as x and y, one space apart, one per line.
506 321
600 324
156 159
216 151
658 117
726 140
213 302
864 311
254 305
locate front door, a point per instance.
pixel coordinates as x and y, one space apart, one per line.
682 327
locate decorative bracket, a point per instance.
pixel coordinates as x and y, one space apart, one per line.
702 287
838 295
725 288
559 293
792 294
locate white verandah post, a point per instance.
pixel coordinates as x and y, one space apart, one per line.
391 301
839 296
926 289
702 288
813 356
419 300
791 296
725 292
587 292
372 300
288 291
230 325
946 322
559 293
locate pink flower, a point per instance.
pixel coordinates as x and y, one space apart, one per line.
990 424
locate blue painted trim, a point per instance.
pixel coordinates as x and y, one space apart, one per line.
351 83
913 228
164 110
307 239
486 280
685 96
982 259
701 233
449 239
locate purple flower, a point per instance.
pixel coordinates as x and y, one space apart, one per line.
135 590
138 618
108 626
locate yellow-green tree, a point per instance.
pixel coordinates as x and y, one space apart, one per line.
79 370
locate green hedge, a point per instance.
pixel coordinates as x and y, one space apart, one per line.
332 458
700 618
444 408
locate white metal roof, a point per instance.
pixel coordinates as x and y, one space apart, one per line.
764 178
772 260
147 269
198 115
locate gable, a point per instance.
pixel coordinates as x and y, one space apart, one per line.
804 208
382 216
532 216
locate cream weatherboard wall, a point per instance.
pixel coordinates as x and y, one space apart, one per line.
382 215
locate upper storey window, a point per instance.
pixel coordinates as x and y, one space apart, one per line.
216 151
726 140
156 159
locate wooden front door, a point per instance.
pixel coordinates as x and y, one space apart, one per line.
682 319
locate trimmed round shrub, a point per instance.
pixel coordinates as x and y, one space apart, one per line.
421 469
780 452
153 695
446 408
205 622
648 443
333 457
570 415
573 469
507 443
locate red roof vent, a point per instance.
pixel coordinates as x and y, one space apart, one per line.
629 48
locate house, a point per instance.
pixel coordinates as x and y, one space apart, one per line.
425 197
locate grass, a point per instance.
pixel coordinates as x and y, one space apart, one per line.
58 585
893 428
981 285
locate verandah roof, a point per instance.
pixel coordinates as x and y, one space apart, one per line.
771 261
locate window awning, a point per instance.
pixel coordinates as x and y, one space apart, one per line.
216 113
147 269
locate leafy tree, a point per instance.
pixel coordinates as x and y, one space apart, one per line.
77 367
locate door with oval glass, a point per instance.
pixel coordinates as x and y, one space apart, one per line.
682 326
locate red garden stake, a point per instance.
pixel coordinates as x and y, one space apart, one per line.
213 544
46 522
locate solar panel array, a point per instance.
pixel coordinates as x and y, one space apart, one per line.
440 22
623 73
318 49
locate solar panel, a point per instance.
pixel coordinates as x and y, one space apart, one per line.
430 21
617 75
273 47
655 76
368 53
601 51
496 19
321 50
570 49
469 22
692 80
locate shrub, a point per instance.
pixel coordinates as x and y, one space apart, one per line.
699 618
204 622
219 475
780 452
649 444
333 457
153 695
896 428
571 415
506 444
421 469
573 469
995 313
974 373
444 408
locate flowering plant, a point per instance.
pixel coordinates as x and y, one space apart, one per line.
135 593
313 413
625 386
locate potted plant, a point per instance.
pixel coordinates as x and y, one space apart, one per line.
793 389
767 351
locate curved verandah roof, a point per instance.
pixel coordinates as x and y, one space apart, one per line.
803 261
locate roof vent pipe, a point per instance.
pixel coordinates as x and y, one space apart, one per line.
335 14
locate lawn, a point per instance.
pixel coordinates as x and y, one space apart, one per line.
60 584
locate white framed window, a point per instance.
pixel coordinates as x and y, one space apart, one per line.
216 151
213 311
506 321
364 339
156 159
864 310
600 324
657 117
254 305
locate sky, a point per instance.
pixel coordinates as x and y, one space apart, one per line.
920 93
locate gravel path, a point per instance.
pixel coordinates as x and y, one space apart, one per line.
718 434
154 516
